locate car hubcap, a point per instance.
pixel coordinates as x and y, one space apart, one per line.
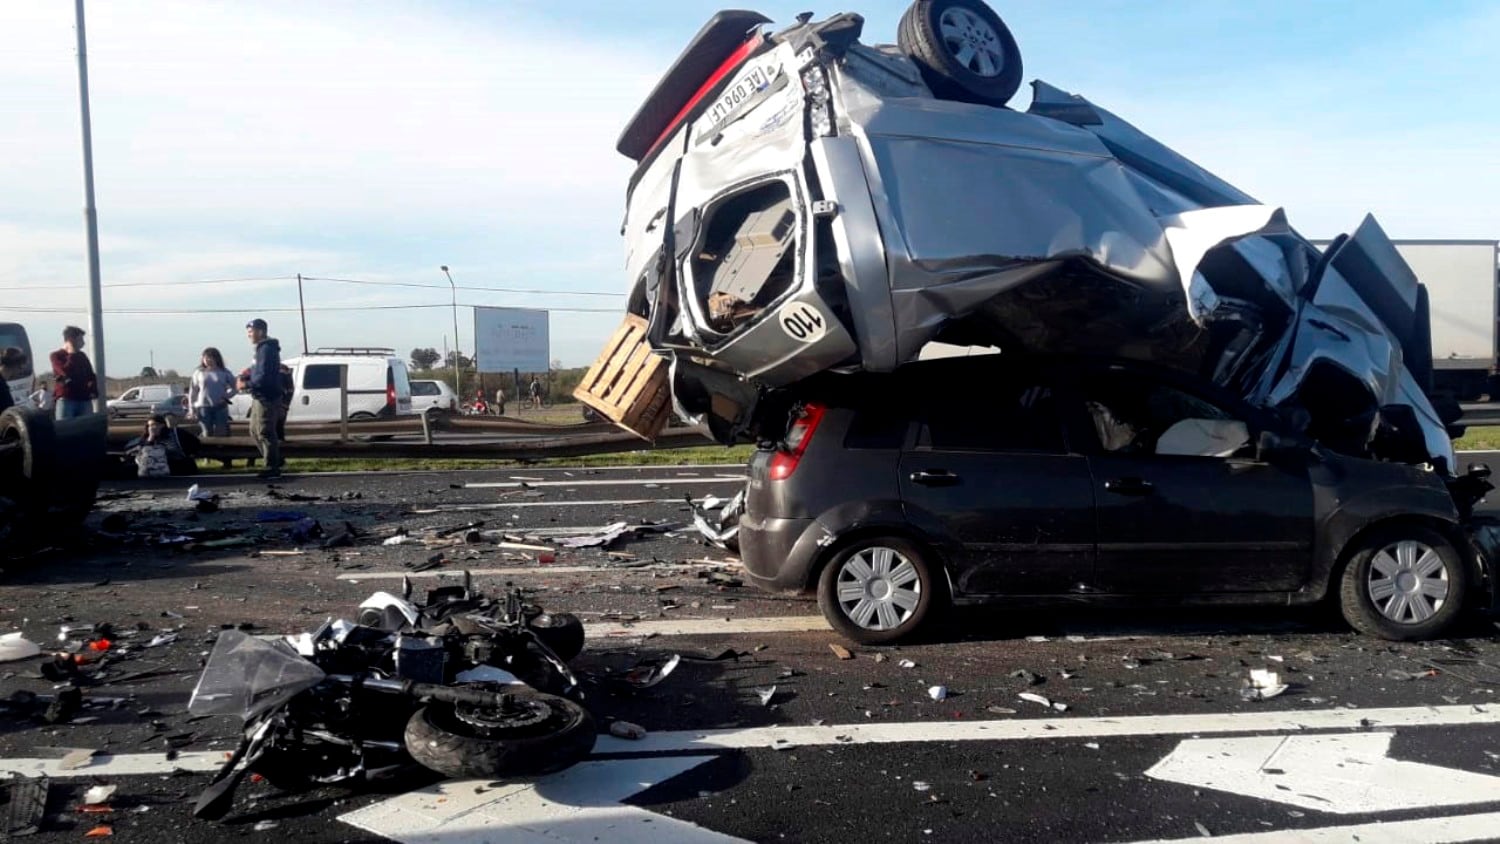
972 42
879 588
1408 582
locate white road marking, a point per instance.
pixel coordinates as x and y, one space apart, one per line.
1343 774
460 508
579 804
513 571
1449 830
704 626
105 765
1256 721
603 482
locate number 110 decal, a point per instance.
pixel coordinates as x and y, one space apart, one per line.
803 322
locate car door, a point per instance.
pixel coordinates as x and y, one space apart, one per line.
1183 504
996 482
317 393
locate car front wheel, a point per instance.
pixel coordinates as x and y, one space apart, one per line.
878 590
1403 584
963 49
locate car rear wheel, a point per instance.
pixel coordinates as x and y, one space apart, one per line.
963 49
878 590
1403 584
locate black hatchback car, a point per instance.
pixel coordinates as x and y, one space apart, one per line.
982 479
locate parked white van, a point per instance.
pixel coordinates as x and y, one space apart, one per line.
142 400
378 385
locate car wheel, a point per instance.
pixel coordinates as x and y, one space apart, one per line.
1403 584
878 590
963 49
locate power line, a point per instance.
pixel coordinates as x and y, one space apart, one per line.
364 281
468 287
188 283
32 309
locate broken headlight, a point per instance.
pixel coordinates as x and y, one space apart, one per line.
819 101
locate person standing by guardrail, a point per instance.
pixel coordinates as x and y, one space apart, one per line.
209 395
76 387
265 394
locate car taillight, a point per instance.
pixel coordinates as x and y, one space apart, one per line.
785 461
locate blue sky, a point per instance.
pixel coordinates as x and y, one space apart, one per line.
378 140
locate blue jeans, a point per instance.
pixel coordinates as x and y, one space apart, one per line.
213 421
74 408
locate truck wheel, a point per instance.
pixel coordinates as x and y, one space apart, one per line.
32 431
535 733
963 49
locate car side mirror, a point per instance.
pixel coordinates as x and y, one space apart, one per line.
1270 445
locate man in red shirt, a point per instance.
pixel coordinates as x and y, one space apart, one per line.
75 387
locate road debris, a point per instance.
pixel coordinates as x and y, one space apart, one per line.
1262 685
906 663
627 730
840 651
25 806
99 794
648 673
14 646
938 692
1031 677
766 695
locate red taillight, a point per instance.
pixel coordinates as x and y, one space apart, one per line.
733 61
785 461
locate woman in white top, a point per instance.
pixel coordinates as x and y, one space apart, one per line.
208 398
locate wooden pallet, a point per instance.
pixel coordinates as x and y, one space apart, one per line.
628 383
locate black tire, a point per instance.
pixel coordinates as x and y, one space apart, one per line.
1386 618
975 24
32 429
562 632
841 570
553 734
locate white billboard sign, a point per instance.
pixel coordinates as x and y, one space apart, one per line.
507 339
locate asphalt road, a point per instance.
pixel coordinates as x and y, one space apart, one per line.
1148 736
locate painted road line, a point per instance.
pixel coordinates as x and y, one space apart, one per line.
519 571
704 626
123 765
1449 830
1346 774
579 804
460 508
1258 721
604 482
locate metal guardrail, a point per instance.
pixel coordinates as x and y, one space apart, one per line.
1481 415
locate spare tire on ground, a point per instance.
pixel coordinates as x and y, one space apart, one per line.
963 49
49 471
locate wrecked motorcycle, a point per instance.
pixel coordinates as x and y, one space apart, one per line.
351 703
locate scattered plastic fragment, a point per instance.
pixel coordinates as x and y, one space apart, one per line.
1035 698
161 639
75 759
881 657
99 794
627 730
906 663
648 673
25 804
399 539
921 786
840 651
766 695
999 710
1092 745
1203 830
14 646
265 826
1263 685
938 692
100 831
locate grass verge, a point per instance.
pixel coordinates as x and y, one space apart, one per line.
736 455
1479 439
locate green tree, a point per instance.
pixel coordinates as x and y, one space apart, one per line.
424 359
148 372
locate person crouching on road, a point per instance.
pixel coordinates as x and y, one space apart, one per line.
209 395
265 394
76 387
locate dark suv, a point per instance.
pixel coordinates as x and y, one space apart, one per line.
985 479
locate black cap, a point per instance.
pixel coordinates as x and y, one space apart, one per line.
257 323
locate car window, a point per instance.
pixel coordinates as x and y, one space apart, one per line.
12 335
424 388
1012 418
131 395
321 376
1132 414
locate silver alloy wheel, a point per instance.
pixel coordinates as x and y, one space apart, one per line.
878 588
971 41
1408 582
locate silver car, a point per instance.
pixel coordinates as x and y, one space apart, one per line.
807 203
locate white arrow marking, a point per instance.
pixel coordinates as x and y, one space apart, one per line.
123 765
1342 774
580 804
1449 830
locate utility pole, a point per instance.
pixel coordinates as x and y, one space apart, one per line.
90 215
303 309
458 378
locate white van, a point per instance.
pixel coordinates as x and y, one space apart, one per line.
20 383
378 385
142 400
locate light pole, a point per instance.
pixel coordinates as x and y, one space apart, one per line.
90 215
458 379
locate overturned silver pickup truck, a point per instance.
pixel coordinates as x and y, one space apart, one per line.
806 203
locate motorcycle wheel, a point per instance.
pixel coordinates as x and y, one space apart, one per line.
536 734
